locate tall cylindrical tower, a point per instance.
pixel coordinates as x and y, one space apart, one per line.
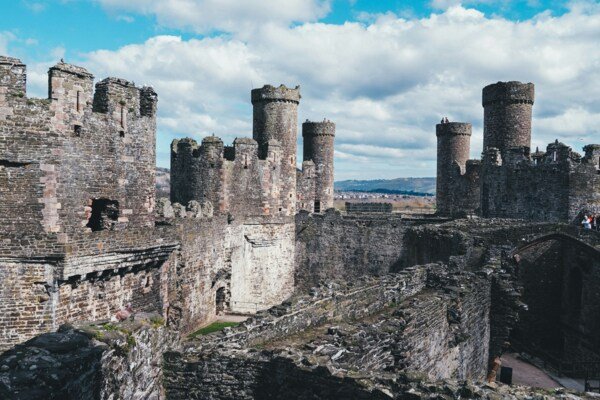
453 146
276 117
318 140
507 110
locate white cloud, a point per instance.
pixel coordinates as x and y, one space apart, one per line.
226 15
386 83
5 38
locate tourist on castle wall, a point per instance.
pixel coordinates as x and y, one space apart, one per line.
586 222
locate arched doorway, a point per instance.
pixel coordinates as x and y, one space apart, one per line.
221 301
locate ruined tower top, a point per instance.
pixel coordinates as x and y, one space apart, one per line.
512 92
71 69
453 128
5 60
322 128
272 93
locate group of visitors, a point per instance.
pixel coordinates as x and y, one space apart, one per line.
591 222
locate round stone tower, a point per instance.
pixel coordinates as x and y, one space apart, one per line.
453 146
318 140
507 110
276 117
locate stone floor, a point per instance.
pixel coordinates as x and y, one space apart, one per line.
527 374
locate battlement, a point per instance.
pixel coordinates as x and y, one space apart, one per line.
12 80
80 72
453 128
270 93
12 61
212 148
322 128
86 171
512 92
592 155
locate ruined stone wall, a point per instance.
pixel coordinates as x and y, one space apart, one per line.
559 186
447 333
464 190
560 283
336 247
34 298
430 332
251 263
352 208
58 156
305 187
96 362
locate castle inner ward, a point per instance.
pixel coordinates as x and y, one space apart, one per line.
367 305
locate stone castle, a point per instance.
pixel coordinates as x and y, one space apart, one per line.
366 305
510 181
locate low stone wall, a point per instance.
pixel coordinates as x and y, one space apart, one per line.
368 207
90 361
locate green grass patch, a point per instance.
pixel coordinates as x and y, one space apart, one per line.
214 327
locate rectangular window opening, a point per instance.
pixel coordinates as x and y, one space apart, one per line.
317 206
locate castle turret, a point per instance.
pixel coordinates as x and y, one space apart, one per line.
453 146
12 83
507 115
70 88
318 140
592 155
276 117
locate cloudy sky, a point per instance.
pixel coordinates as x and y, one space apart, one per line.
385 71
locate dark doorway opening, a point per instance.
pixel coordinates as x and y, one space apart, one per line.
221 298
317 206
105 214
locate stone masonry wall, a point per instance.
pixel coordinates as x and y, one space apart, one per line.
63 153
336 247
91 361
557 186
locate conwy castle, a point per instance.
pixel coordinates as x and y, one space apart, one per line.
105 290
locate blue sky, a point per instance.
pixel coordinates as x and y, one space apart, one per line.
383 70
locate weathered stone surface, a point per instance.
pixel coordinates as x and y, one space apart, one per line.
100 361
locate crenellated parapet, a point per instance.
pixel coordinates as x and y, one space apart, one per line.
80 161
556 184
233 178
511 92
269 93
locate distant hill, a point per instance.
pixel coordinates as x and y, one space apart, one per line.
398 185
390 186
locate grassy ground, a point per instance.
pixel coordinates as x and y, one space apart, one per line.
214 327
